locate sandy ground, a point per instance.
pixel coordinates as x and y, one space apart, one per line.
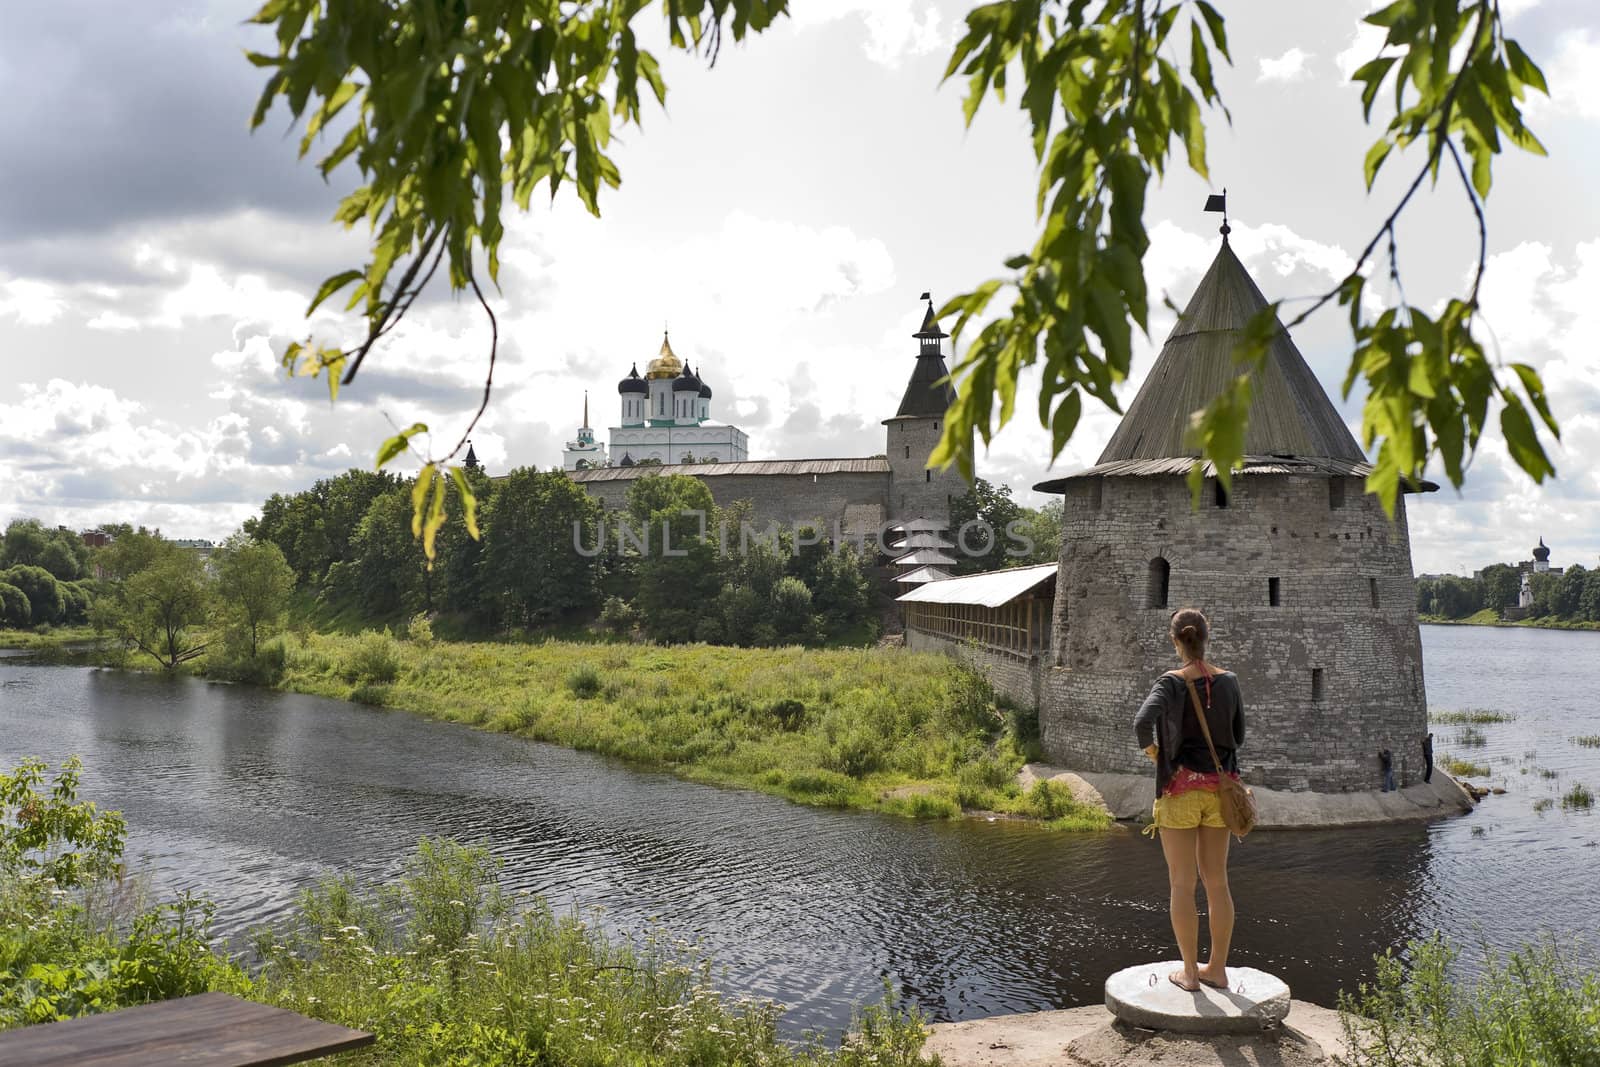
1089 1037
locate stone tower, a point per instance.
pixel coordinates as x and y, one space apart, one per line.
917 491
1307 583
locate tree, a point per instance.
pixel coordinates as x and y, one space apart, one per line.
42 590
534 528
24 543
1502 586
454 110
1456 598
253 585
1568 593
385 573
15 609
1589 603
28 542
156 610
979 519
1042 526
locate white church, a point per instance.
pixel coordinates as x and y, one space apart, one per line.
666 416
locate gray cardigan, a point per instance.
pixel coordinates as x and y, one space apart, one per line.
1160 721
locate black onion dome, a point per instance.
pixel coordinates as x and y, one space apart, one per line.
1542 553
633 383
627 460
705 390
686 382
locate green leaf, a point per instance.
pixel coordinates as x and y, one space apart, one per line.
333 285
1375 156
1533 385
1522 440
1524 69
398 443
469 501
1214 23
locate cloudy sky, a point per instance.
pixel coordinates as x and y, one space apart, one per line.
782 215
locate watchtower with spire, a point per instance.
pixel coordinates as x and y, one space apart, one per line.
917 491
1307 583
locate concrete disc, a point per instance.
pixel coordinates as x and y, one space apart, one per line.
1142 996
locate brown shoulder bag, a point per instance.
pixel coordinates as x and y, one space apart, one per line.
1238 803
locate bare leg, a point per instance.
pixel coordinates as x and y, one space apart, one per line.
1181 851
1213 861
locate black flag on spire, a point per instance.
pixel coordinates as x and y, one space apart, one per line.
925 296
1218 202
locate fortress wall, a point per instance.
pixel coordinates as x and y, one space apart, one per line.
1330 562
1011 676
787 499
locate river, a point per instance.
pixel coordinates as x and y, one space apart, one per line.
246 796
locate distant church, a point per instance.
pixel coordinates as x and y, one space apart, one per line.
665 416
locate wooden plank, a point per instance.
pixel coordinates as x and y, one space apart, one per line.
208 1030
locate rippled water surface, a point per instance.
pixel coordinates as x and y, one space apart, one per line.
246 796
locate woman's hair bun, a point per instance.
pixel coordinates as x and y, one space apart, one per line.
1189 632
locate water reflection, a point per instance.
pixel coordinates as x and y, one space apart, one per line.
247 796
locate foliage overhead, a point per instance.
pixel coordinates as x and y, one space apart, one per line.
450 107
445 108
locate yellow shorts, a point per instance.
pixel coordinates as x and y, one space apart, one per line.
1189 809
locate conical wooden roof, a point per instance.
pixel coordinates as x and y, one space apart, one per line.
1290 414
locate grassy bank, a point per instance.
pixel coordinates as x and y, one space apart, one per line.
1490 617
47 637
876 729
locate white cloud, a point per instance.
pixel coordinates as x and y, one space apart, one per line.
1573 76
1291 66
32 303
895 29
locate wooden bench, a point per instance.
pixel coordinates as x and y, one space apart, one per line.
209 1030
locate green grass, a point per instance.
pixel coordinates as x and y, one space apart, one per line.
1469 717
47 638
1488 617
1471 738
880 729
1587 741
1578 798
1460 768
1534 1008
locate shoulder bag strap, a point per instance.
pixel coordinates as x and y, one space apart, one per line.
1205 728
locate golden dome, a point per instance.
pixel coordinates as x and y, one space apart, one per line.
666 365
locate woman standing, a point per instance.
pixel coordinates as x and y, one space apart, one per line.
1187 815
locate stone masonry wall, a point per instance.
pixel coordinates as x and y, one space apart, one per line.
1346 608
1014 677
787 499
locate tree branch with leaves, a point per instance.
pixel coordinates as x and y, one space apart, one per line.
1097 74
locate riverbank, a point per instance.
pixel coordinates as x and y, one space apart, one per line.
1490 617
54 638
875 729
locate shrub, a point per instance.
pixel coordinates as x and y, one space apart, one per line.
42 590
618 615
420 628
373 659
15 610
1533 1008
790 715
584 681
